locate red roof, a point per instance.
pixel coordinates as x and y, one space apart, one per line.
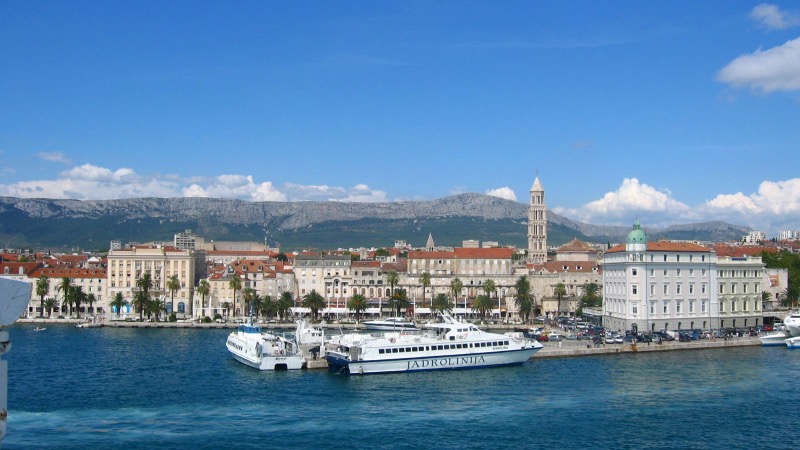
665 246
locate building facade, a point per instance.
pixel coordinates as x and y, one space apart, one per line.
659 285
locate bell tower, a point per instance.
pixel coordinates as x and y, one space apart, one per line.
537 225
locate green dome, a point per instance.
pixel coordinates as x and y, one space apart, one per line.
637 236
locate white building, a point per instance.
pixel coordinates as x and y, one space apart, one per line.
659 285
739 287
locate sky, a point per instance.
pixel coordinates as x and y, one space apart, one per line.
667 112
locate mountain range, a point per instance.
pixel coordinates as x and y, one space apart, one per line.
92 224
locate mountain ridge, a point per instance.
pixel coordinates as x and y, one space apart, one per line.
49 222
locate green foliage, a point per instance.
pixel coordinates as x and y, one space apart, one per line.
207 319
784 260
173 317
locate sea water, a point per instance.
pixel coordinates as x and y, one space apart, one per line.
129 388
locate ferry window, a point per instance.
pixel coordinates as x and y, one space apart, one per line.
402 350
395 350
505 342
380 350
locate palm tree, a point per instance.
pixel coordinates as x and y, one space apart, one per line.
77 297
425 281
399 301
203 288
235 284
247 296
560 291
441 303
155 307
119 302
482 305
268 306
790 295
591 295
284 304
314 302
524 300
490 288
42 288
173 285
145 283
140 301
392 278
64 287
258 303
358 304
49 305
90 299
455 288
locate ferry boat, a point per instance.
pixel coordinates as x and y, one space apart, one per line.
792 323
264 351
447 344
793 342
390 324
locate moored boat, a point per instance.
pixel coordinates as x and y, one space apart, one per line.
39 328
390 324
793 342
792 323
777 338
448 344
307 334
264 351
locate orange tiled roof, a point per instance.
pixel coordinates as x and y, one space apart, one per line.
68 272
665 246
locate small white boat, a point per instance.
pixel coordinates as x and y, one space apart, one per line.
307 334
39 329
771 339
264 351
390 324
793 342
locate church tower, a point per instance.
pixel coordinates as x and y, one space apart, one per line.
537 225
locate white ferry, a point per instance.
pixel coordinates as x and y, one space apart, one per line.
264 351
448 344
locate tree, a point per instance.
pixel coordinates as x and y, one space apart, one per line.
314 302
173 285
455 288
235 284
358 304
42 288
140 300
64 287
284 304
482 305
257 303
155 307
560 291
441 303
203 288
145 283
392 278
425 281
282 257
590 297
90 299
77 298
790 296
247 296
524 299
227 307
49 305
119 302
399 301
490 288
268 306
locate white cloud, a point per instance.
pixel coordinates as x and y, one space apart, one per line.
90 182
503 192
773 198
770 16
54 157
774 69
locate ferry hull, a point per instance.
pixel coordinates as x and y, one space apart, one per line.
793 342
339 364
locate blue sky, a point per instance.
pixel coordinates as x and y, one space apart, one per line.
670 112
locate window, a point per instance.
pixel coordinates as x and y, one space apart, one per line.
703 288
666 308
678 272
666 289
635 309
703 306
678 289
691 288
665 272
634 289
633 271
678 306
652 289
652 308
691 307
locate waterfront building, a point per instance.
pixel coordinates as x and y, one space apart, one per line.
329 275
739 287
573 274
91 281
659 285
128 265
537 225
789 235
473 266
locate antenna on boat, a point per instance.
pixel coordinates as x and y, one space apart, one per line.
14 297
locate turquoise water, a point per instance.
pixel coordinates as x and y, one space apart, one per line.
172 388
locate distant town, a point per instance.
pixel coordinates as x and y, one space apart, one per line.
633 285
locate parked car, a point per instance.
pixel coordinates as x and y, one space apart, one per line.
571 337
555 337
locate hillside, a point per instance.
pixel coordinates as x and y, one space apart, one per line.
43 223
